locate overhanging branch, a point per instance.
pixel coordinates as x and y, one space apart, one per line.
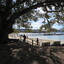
20 13
16 4
55 11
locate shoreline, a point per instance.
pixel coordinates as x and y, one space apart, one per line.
15 36
46 40
43 41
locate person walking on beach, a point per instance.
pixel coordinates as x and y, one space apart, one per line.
24 40
37 41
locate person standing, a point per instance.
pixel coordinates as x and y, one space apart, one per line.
24 40
37 41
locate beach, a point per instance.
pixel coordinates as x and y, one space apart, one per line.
17 52
30 38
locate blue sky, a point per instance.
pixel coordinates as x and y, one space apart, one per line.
36 25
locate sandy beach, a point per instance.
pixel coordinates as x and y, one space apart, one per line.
29 40
43 41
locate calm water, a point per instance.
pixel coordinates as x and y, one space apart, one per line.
48 37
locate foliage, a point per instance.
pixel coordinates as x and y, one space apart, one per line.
11 10
50 19
21 23
15 30
28 30
62 29
52 30
19 9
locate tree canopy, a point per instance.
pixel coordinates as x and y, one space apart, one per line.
11 10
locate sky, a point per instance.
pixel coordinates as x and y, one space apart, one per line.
36 25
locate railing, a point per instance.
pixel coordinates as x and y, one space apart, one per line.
30 41
34 42
37 43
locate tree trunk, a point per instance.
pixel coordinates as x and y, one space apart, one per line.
5 26
4 35
5 29
4 38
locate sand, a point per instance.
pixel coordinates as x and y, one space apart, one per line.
29 40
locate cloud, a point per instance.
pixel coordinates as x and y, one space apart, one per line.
36 25
57 26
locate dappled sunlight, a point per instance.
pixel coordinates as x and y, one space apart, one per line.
29 32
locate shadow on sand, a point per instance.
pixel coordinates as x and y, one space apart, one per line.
23 53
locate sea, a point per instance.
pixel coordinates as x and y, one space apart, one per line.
45 37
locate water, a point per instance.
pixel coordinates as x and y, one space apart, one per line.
46 37
50 37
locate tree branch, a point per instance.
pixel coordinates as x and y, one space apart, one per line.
55 11
47 2
20 13
16 4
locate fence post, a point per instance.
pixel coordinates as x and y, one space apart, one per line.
32 42
37 40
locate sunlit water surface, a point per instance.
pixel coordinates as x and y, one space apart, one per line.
46 37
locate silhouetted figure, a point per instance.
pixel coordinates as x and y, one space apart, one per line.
20 35
32 42
24 40
37 41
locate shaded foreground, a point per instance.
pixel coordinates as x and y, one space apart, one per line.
23 53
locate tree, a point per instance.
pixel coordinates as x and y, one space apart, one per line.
10 10
50 19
